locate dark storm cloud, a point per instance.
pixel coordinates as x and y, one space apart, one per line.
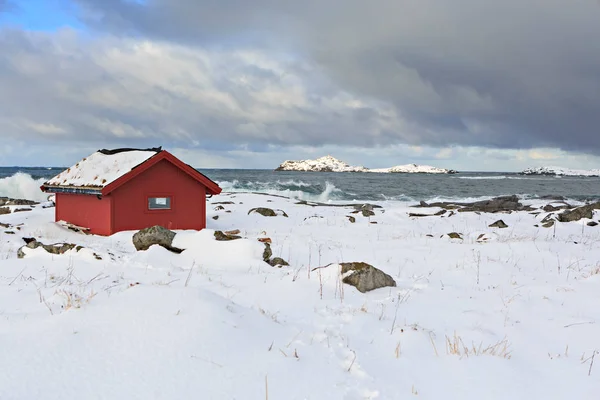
505 74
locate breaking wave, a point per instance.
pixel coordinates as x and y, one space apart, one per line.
318 191
22 186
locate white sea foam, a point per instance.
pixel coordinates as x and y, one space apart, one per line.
494 177
22 186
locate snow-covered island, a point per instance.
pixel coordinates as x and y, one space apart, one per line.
332 164
559 171
323 164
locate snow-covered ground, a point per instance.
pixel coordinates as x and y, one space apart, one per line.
507 313
559 171
332 164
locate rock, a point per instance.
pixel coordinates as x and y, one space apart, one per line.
497 204
550 208
219 208
223 202
437 214
592 223
266 212
418 215
548 224
351 218
22 209
455 235
578 213
233 232
58 248
365 277
267 253
220 236
278 262
498 224
215 217
9 232
482 238
157 234
4 210
368 213
20 202
5 226
265 240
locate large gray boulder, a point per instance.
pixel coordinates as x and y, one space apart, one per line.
159 235
578 213
365 277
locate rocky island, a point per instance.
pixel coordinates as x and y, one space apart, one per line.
332 164
559 171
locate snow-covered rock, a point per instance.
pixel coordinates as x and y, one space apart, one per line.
332 164
323 164
559 171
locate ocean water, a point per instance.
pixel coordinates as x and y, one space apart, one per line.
19 182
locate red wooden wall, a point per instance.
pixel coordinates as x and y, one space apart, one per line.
188 200
85 210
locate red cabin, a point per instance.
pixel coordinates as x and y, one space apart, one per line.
131 189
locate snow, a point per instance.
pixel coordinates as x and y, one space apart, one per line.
559 171
332 164
216 322
99 170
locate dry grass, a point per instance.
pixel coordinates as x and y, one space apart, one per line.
456 346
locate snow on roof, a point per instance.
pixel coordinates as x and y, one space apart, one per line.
101 168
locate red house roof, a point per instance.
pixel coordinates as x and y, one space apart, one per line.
106 170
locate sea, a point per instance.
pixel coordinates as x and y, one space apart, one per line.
24 182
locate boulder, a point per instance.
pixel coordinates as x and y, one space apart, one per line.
266 212
351 218
455 235
58 248
4 210
157 234
578 213
278 262
368 213
548 224
220 236
365 277
592 223
498 224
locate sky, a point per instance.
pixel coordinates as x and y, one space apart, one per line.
472 85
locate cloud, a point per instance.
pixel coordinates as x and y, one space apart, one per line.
507 74
68 88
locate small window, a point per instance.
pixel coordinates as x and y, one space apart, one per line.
159 203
